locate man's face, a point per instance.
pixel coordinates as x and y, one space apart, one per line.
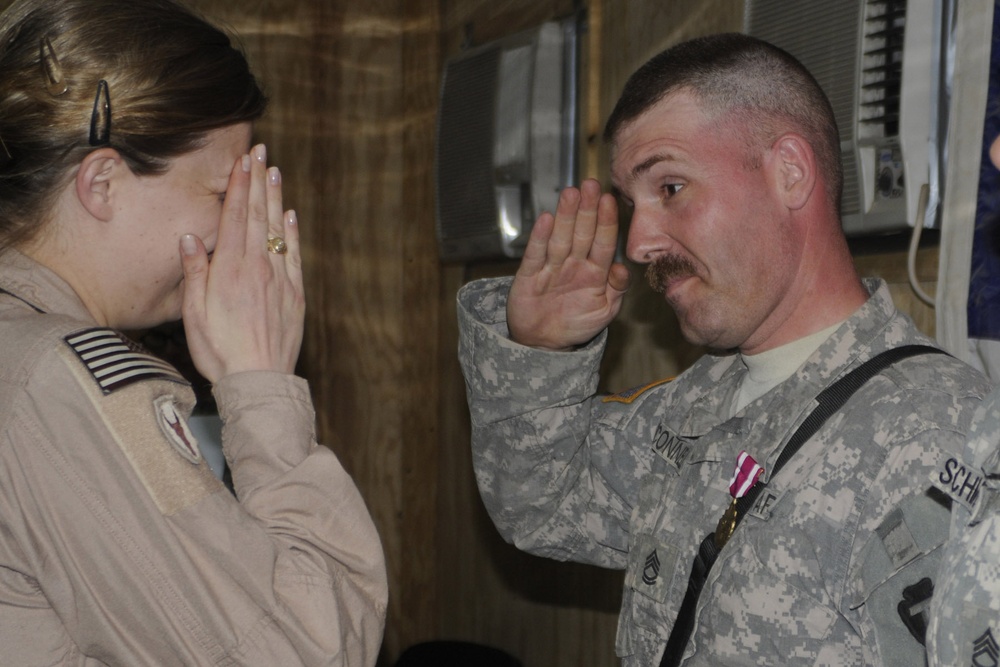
712 228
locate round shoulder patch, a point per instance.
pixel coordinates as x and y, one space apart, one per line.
176 429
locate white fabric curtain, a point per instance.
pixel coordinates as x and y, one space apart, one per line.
970 83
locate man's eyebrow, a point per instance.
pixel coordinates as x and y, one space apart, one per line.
641 168
647 164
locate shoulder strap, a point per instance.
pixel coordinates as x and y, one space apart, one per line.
830 400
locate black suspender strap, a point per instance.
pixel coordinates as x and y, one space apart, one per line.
830 400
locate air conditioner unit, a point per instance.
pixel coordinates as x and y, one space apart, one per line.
882 64
506 140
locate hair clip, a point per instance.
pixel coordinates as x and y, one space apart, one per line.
100 118
51 69
5 156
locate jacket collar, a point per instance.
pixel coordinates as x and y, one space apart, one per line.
39 287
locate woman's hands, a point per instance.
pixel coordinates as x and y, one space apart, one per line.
245 310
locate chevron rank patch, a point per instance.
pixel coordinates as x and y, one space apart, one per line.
985 650
116 362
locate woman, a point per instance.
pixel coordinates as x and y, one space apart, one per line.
125 165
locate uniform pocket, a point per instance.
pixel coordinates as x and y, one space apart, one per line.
754 612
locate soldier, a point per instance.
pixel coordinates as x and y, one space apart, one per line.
965 612
125 162
726 151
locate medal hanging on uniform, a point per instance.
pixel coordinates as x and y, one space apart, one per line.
745 476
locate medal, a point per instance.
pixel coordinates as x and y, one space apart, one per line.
727 524
746 475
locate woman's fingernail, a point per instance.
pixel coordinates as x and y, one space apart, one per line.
188 245
273 176
260 153
291 219
246 163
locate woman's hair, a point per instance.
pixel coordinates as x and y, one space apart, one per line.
169 77
739 78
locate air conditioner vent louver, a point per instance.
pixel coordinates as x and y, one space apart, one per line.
882 65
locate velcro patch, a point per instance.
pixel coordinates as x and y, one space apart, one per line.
985 649
897 539
630 395
962 483
671 447
764 503
651 567
115 362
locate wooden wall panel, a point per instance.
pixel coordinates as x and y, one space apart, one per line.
891 266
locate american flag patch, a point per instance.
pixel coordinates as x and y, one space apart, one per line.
115 362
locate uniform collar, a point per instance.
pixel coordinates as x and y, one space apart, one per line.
864 334
39 287
870 330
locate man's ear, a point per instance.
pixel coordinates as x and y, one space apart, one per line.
96 184
795 172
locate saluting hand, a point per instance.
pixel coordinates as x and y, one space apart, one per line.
568 287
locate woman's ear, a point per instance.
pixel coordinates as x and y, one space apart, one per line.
97 181
796 170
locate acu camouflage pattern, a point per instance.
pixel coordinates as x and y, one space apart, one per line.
815 572
965 612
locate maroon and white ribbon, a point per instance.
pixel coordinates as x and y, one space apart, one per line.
746 475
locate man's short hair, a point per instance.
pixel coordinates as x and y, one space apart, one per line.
736 77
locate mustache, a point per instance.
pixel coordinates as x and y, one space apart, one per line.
667 268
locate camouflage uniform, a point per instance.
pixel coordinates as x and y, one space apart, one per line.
817 569
965 614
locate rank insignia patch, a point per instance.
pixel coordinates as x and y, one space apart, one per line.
651 571
115 362
985 650
176 429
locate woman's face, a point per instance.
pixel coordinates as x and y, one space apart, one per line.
154 212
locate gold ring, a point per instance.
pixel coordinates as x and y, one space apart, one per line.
276 245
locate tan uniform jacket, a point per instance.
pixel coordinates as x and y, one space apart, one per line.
118 546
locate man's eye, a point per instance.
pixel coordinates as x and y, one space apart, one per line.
673 188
